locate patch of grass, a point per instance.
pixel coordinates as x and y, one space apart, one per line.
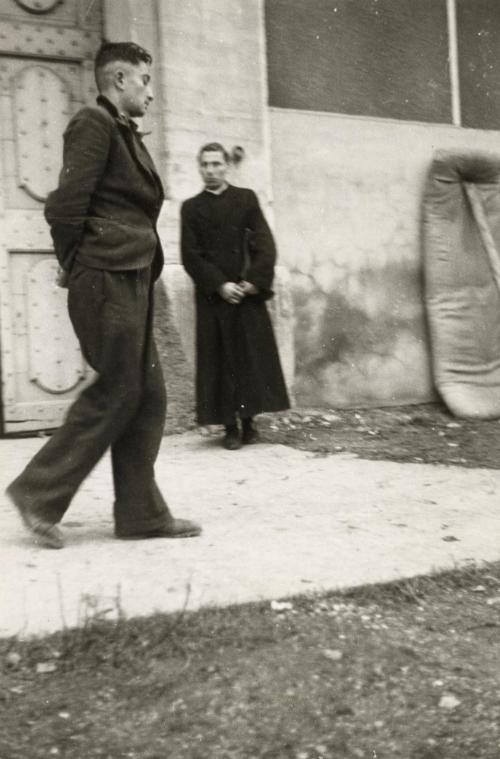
361 673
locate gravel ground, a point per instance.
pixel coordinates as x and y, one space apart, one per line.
424 433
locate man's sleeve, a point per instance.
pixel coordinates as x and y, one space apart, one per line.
262 249
85 155
206 276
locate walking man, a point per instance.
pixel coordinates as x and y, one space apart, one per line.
103 223
229 252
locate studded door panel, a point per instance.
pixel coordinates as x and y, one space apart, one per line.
46 74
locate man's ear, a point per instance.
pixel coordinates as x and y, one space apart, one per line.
119 78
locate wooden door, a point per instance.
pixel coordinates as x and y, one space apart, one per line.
46 74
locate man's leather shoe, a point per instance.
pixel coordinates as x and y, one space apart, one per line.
249 436
176 528
45 533
232 440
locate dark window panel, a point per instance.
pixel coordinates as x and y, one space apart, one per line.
478 32
386 58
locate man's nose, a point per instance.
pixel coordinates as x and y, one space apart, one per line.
149 94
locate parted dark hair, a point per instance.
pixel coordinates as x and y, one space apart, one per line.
214 146
121 51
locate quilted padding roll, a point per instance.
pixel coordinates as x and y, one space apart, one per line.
461 241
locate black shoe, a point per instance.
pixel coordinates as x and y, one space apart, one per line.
249 434
45 533
231 439
176 528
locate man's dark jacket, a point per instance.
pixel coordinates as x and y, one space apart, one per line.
104 211
226 238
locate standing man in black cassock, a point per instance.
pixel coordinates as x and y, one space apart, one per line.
229 252
103 222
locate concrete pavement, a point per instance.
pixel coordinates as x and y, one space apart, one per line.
277 521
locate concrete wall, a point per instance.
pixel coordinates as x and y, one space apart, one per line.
342 192
213 87
347 196
210 82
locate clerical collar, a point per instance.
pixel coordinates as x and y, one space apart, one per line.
219 190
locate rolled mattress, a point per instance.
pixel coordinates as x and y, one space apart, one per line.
461 241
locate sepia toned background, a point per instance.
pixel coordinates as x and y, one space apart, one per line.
338 107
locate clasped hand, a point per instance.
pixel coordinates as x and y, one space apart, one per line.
234 292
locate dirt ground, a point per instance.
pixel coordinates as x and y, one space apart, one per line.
402 671
424 433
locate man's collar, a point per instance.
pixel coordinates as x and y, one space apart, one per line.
108 105
219 191
120 117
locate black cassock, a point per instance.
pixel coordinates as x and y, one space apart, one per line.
226 238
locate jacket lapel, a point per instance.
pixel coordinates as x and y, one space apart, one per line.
136 148
139 152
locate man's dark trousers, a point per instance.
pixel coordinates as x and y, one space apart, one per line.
111 312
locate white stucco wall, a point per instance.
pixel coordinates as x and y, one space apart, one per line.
210 83
213 88
347 194
343 194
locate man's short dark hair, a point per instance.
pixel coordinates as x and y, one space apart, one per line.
214 147
121 51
